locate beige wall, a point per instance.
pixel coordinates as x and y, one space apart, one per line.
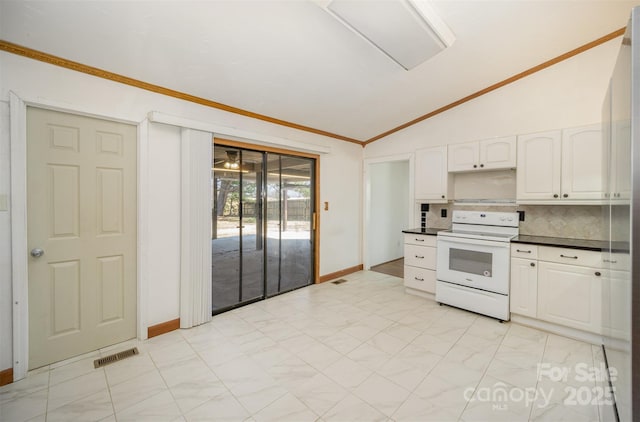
340 174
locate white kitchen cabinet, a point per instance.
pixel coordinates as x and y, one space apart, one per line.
490 154
420 262
566 286
620 173
539 166
616 315
432 180
561 167
523 297
582 163
570 295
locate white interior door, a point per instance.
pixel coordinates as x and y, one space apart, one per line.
81 232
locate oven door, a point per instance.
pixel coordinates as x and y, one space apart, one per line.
481 264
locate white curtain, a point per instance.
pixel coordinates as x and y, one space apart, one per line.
195 262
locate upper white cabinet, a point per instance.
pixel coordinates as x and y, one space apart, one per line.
432 180
539 163
560 166
464 157
582 163
490 154
618 171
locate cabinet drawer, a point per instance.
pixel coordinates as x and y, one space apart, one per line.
570 256
420 239
420 279
524 250
616 261
420 256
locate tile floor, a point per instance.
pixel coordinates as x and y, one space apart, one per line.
358 351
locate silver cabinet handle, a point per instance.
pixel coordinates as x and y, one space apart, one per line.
522 251
419 279
37 252
419 240
419 257
567 256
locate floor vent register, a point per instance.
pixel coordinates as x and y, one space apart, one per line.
98 363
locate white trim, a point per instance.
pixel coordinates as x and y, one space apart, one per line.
366 212
19 259
19 246
237 134
143 228
67 108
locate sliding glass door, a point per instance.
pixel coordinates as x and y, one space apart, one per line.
289 223
237 227
262 219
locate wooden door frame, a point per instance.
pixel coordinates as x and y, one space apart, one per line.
316 189
19 246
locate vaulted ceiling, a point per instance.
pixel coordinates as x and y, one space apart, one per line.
293 61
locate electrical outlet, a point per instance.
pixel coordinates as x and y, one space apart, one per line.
443 213
520 215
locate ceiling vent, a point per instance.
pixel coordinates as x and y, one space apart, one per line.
407 31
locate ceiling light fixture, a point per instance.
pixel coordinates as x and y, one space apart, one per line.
407 31
232 160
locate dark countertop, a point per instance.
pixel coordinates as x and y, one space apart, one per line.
428 231
589 245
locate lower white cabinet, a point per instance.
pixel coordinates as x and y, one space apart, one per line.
420 262
420 279
562 286
616 314
570 295
523 297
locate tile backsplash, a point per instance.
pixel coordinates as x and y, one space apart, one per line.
570 221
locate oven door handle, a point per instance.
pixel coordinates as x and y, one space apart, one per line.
467 241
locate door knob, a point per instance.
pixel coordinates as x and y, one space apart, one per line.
37 252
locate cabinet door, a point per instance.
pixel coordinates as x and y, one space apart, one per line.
524 287
616 312
582 163
570 295
431 177
499 153
621 162
464 157
539 164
